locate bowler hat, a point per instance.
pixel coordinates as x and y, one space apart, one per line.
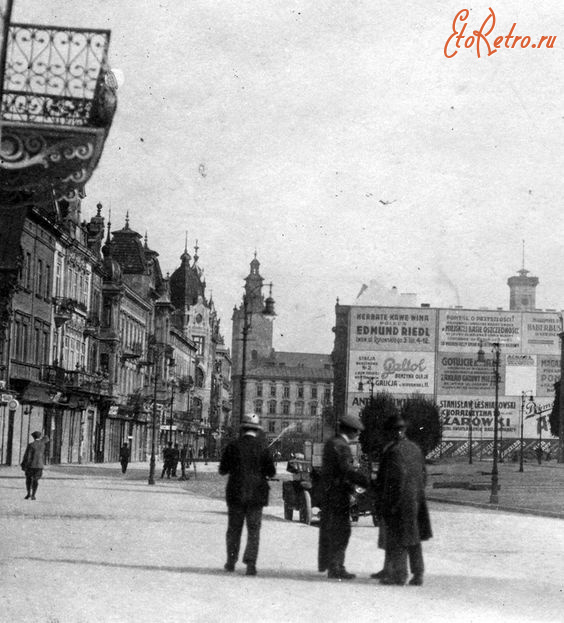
351 421
250 420
36 434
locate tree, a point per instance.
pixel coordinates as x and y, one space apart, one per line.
554 417
423 422
376 411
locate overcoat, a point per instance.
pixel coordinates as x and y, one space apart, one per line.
338 477
400 493
34 456
249 463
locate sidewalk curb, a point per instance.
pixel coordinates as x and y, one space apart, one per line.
498 507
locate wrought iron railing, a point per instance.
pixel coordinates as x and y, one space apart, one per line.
56 75
75 380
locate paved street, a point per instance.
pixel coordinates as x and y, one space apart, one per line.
97 546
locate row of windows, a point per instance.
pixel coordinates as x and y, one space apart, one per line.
299 407
271 427
36 278
31 343
300 391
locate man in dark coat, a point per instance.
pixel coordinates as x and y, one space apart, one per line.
175 459
168 457
124 454
400 495
183 461
338 477
249 463
33 462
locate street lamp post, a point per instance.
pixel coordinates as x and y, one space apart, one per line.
173 386
521 437
470 432
494 498
152 461
269 313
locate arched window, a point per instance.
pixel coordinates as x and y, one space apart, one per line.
272 407
258 406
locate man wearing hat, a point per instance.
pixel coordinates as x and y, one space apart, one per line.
248 463
400 492
338 477
33 462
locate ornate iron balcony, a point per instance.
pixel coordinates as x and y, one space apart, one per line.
57 106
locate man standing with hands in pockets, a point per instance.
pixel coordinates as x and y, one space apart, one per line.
248 463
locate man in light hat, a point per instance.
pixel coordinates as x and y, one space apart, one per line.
400 494
338 477
33 462
249 463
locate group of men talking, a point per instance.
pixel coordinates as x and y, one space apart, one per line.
399 499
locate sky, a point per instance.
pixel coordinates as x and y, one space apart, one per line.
339 142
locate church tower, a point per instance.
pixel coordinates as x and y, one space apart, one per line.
259 334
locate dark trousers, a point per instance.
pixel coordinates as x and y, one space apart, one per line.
167 467
236 517
397 555
334 535
124 464
32 477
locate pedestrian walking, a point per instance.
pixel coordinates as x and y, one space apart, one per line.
175 459
184 458
168 454
124 455
33 462
338 478
400 498
205 454
248 463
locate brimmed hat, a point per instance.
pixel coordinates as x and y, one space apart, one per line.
36 434
351 421
395 422
251 420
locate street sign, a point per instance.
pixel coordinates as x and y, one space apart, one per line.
13 404
5 398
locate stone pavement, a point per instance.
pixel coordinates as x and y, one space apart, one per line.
97 546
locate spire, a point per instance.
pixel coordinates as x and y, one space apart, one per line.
99 208
126 220
146 240
196 247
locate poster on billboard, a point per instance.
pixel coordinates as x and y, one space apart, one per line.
392 328
455 414
520 374
548 372
464 330
540 333
401 372
462 374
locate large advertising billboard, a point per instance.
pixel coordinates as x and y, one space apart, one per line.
434 352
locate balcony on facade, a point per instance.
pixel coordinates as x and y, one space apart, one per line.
57 106
75 380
